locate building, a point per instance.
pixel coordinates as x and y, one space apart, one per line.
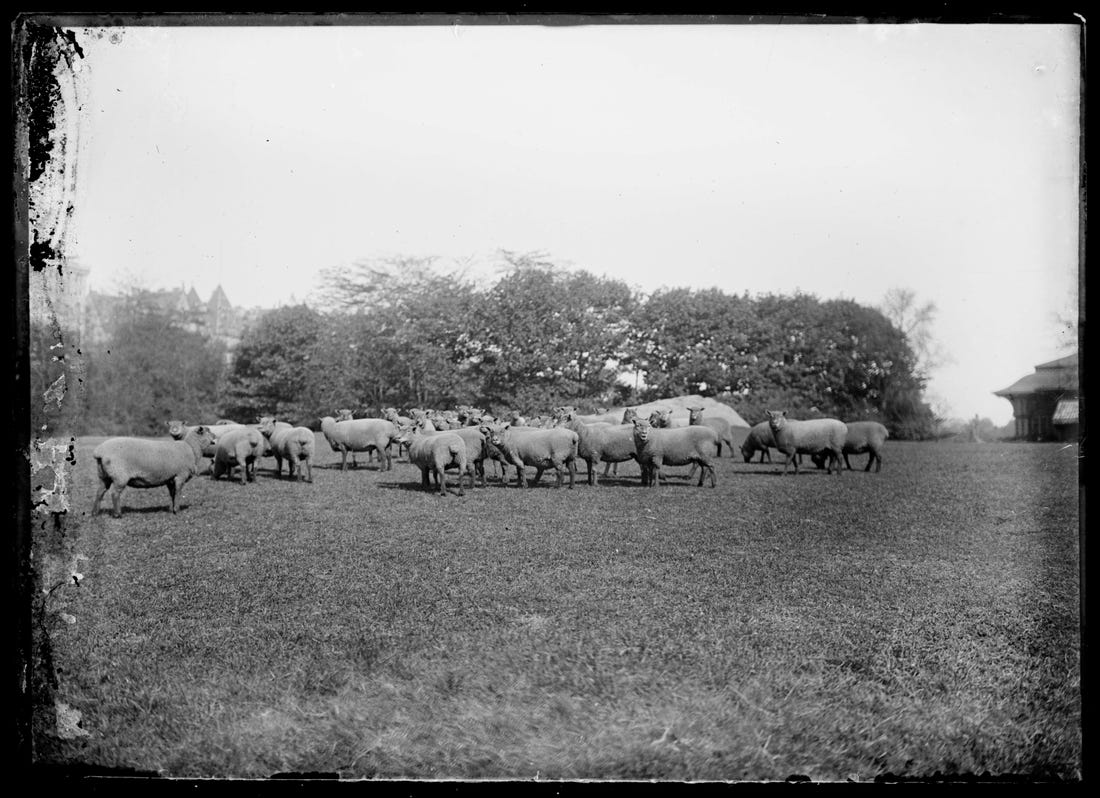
1045 404
64 298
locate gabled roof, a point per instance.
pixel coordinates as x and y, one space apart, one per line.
1055 376
1068 362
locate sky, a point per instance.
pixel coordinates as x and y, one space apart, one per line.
838 160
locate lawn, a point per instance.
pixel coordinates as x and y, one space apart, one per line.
919 621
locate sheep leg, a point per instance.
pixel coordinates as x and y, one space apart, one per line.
846 461
538 473
103 485
116 499
172 488
572 466
878 461
244 473
593 477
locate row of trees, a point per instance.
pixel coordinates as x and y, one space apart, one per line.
406 333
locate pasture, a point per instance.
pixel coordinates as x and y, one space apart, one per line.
923 620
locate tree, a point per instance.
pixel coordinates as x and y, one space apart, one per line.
915 321
275 370
409 323
692 341
151 369
543 335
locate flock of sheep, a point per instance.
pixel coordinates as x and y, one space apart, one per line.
435 441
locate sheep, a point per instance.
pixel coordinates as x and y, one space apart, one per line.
433 453
360 435
542 448
178 430
793 437
863 436
600 416
238 447
290 443
138 463
759 439
658 446
662 419
477 448
391 415
610 443
716 423
347 415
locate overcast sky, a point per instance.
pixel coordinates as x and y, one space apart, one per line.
840 160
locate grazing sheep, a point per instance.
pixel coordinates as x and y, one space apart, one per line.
434 453
601 442
290 443
238 447
542 448
679 446
360 435
821 435
863 436
138 463
759 439
716 423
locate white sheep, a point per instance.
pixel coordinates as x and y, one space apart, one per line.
391 415
674 446
477 448
716 423
600 416
542 448
290 443
601 442
138 463
360 435
816 436
433 453
241 447
863 436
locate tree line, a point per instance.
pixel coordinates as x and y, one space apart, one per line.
404 332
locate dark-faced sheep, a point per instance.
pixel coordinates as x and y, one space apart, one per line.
138 463
863 437
823 436
658 447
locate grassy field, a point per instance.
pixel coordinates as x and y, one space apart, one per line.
918 621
